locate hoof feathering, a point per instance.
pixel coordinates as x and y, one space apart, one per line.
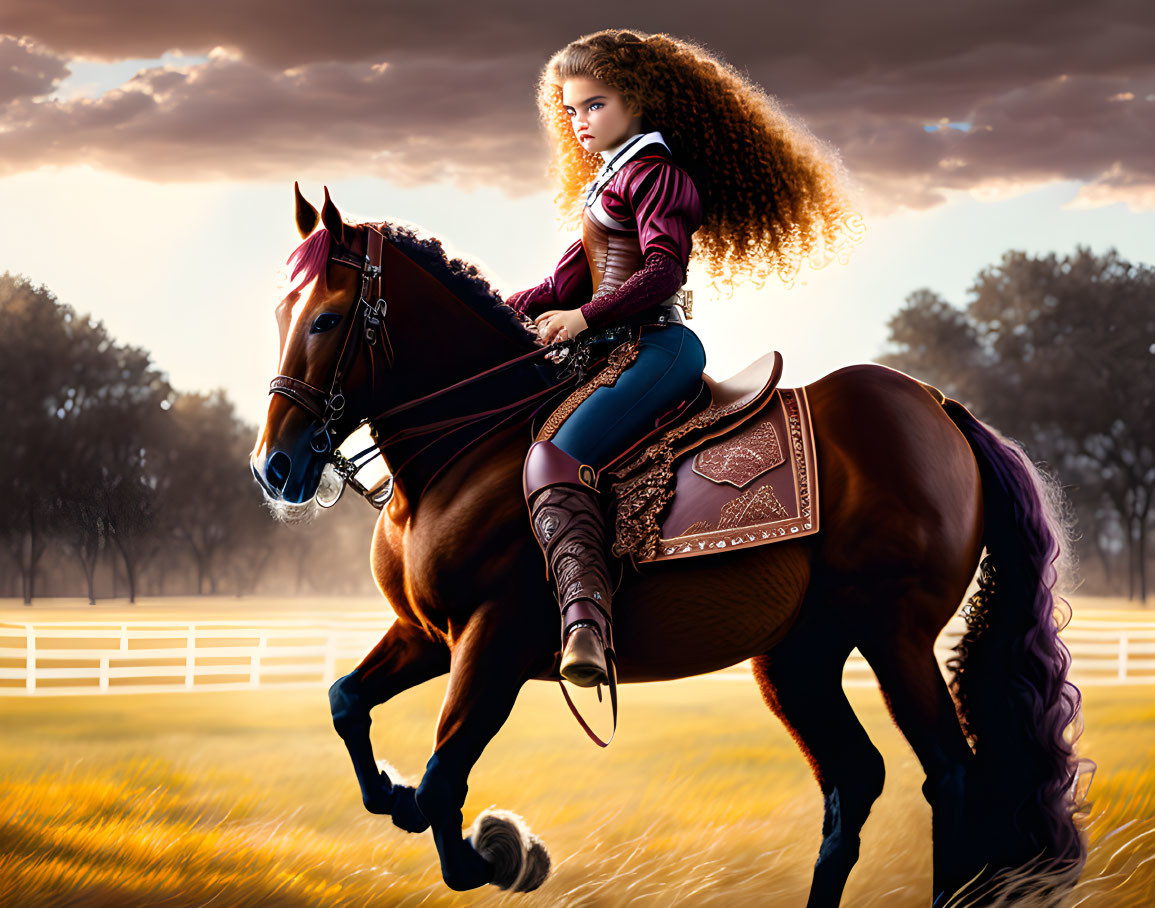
519 859
536 866
396 776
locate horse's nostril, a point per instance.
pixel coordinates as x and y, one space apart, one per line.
277 470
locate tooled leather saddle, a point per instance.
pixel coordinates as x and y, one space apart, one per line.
733 468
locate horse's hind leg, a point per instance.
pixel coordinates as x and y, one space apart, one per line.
405 657
921 705
801 681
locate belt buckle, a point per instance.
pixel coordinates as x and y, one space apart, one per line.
669 312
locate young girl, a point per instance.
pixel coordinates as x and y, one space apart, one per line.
655 141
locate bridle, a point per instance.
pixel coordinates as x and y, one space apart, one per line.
367 321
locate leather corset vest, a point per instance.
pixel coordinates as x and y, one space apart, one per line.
613 255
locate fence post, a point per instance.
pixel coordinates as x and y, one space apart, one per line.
104 672
1122 657
30 659
255 666
331 657
190 656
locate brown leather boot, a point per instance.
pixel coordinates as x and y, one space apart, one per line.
568 523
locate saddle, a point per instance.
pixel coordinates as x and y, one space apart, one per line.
733 469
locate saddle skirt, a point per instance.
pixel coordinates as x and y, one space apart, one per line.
735 470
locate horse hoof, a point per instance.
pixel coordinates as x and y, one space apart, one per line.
470 870
520 861
406 814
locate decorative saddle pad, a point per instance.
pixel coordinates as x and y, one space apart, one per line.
752 485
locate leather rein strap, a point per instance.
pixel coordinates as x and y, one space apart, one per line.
613 686
368 321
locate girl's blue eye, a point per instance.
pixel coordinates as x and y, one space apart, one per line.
597 104
325 321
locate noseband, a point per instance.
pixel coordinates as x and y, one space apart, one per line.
368 321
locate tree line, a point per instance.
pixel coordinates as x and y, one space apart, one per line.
114 483
1059 354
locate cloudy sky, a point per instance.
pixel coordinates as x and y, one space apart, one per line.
148 150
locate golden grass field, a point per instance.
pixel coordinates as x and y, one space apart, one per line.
248 799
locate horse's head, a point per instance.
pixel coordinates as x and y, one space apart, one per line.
333 353
348 358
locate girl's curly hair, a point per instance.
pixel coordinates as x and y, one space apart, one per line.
771 192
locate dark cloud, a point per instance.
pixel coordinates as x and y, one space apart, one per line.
26 72
413 122
413 92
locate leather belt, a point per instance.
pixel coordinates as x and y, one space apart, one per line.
593 345
666 313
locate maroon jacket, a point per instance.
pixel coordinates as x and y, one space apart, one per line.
656 197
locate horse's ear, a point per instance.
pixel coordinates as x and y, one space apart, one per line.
332 219
306 213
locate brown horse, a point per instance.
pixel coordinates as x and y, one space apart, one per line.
912 489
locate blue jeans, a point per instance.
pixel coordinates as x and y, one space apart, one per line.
667 371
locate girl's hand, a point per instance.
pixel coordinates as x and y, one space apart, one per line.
560 325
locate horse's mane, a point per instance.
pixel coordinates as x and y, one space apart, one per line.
461 278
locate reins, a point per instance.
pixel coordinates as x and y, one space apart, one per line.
612 684
368 322
500 367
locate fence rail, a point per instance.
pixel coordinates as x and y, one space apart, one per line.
95 657
1103 650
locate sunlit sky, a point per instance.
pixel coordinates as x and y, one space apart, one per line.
170 221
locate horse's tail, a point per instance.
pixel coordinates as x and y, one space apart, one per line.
1010 668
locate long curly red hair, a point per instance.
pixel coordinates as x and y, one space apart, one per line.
772 193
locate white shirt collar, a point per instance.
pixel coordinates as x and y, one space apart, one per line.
642 140
617 157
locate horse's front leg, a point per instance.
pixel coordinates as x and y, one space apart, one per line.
492 658
405 657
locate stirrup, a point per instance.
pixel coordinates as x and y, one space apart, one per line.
586 664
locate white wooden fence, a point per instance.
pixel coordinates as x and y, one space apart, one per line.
94 657
1104 650
100 657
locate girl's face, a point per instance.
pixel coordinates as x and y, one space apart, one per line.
600 116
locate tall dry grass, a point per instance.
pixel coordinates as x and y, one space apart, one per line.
247 799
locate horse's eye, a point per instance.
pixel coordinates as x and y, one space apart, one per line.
325 321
